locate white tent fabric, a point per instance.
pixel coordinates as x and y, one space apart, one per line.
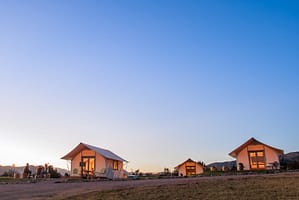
104 152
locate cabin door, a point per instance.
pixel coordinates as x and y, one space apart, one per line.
88 165
190 170
257 159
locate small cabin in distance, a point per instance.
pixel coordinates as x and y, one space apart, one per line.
189 168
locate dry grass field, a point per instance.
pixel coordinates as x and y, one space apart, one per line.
254 186
234 187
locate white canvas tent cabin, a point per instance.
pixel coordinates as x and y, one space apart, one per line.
255 155
90 161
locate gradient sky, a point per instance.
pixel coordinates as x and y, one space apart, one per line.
155 81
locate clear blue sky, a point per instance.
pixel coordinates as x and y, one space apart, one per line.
156 82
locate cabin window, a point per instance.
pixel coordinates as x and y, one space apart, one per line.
115 164
257 159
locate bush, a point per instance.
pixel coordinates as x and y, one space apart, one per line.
53 172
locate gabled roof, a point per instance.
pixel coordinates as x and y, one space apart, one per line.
105 153
188 160
252 140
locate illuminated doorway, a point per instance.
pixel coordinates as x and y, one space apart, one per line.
257 159
88 165
190 170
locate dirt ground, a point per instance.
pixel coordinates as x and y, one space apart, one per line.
53 189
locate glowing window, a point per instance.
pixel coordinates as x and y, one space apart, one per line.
115 165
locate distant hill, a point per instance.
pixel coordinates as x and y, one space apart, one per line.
33 168
219 165
290 160
291 157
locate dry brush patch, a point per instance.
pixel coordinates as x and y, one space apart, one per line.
249 187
